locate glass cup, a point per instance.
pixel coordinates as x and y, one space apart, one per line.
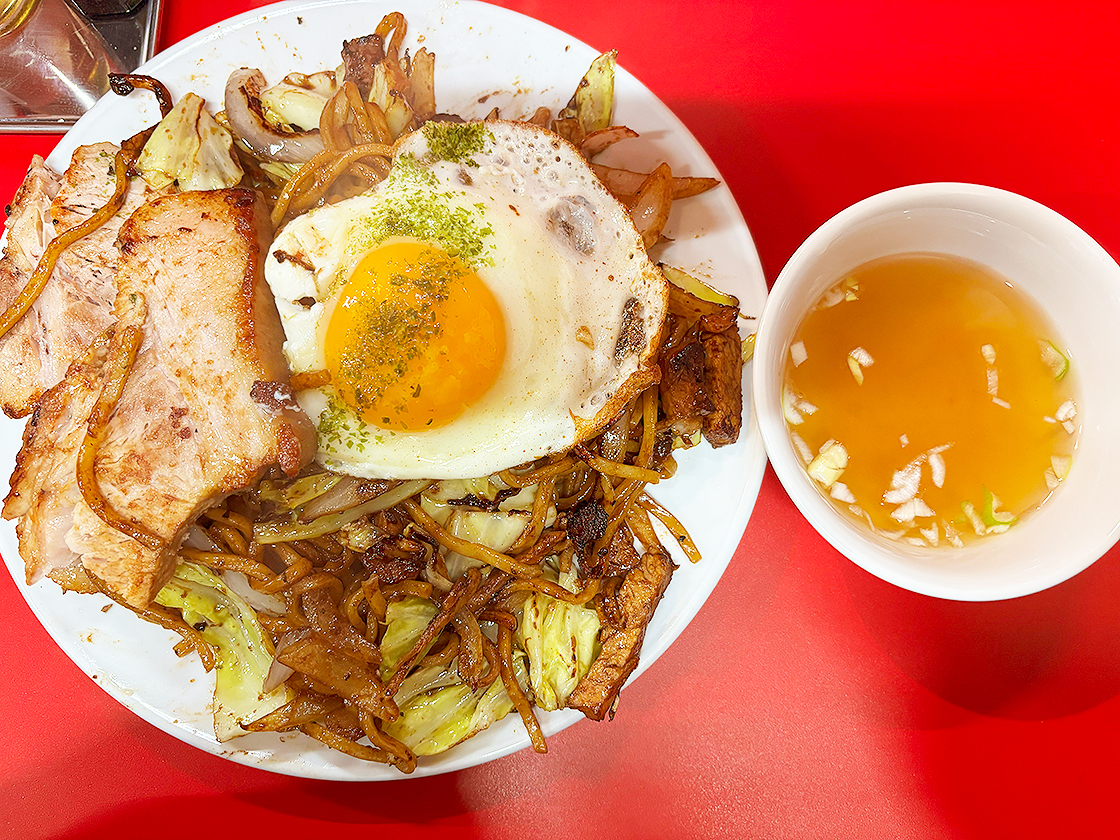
53 64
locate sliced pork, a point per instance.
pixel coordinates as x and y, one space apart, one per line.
205 410
77 303
625 615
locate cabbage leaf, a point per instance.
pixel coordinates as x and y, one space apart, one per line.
190 150
561 641
437 709
298 101
405 620
244 652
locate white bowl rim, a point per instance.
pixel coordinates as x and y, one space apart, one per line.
766 395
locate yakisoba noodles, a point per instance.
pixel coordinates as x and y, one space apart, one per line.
352 597
380 611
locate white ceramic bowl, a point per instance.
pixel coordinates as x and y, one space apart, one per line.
1074 280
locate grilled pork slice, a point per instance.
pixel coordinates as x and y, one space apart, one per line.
702 386
144 462
723 381
625 616
205 410
29 219
77 303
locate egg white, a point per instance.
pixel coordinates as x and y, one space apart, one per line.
564 294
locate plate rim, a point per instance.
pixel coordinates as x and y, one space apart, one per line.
752 460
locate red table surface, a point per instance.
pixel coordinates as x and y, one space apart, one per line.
808 698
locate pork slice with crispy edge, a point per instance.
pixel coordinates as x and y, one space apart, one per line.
205 411
29 229
76 305
199 259
626 615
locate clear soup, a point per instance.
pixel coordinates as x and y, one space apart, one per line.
930 399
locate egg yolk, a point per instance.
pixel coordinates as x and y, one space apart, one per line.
415 339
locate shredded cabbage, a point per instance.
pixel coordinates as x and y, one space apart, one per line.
558 640
245 654
561 641
438 710
298 100
435 500
191 150
436 720
405 620
494 529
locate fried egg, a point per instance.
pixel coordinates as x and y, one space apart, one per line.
488 303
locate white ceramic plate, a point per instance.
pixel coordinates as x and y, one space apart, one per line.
515 63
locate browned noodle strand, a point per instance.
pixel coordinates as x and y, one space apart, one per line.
527 479
642 528
402 756
541 504
124 345
228 561
348 746
673 524
493 665
351 607
513 689
616 469
341 153
164 618
444 655
417 588
472 657
477 551
548 587
317 580
460 592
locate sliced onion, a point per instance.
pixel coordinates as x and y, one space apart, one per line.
259 601
288 531
613 440
278 672
650 210
624 183
198 538
246 117
348 492
597 141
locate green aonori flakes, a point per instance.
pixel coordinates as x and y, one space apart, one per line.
456 142
411 209
339 429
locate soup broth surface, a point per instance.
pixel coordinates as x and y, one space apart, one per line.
931 399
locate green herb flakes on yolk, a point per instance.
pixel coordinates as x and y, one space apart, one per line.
416 338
